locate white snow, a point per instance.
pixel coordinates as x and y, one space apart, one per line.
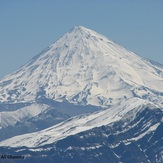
152 128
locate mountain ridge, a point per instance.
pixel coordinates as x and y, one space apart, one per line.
79 123
134 135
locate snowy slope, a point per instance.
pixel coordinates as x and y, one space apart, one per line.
13 117
87 68
17 119
127 109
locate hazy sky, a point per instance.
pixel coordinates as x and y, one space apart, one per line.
29 26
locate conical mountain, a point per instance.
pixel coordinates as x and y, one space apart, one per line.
71 82
84 67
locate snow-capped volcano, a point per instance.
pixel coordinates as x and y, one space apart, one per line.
83 99
83 67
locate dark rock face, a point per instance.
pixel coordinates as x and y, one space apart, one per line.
138 140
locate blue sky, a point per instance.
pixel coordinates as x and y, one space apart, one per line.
29 26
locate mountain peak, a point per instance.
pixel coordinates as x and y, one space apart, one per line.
80 31
80 28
